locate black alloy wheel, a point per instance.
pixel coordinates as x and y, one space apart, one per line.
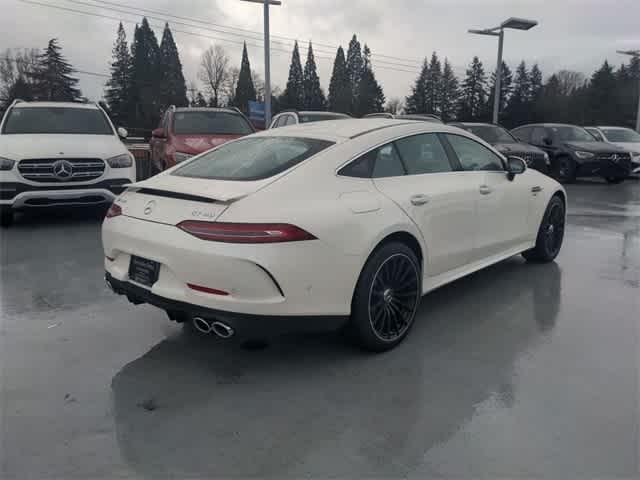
393 297
386 297
550 234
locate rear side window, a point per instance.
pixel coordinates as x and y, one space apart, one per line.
252 158
387 163
290 120
474 156
423 154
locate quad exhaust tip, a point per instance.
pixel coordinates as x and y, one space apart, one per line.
220 329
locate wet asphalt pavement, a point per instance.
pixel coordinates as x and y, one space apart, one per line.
517 371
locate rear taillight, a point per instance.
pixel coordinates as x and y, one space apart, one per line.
245 232
114 211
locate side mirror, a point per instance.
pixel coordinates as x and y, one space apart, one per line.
547 141
122 132
158 133
515 166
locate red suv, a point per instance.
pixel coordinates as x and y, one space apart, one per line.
185 132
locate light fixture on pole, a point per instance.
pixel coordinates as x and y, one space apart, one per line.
516 24
267 59
635 54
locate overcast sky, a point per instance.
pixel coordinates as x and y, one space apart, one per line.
573 34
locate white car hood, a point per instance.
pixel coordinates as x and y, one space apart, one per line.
17 147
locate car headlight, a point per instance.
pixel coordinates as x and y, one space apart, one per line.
546 158
584 155
121 161
181 157
635 156
6 163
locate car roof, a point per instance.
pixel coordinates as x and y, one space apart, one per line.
612 127
205 109
548 125
341 130
477 124
87 106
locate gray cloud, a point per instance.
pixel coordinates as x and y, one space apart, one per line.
576 34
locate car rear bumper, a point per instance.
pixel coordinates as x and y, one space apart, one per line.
244 325
304 278
23 195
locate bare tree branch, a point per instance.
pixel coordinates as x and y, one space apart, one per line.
214 71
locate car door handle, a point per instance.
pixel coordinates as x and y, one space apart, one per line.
419 200
485 189
536 189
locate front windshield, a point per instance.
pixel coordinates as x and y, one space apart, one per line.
572 134
57 120
622 135
210 122
491 134
315 117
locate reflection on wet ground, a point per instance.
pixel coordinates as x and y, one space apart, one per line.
516 371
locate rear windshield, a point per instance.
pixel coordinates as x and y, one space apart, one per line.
210 123
252 158
57 120
314 117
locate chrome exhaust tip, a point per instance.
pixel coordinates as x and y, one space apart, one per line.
222 330
201 325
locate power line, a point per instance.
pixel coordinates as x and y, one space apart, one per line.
195 34
291 39
82 72
174 22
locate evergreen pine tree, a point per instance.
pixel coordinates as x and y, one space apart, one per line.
370 96
602 100
119 84
417 102
448 93
145 85
53 80
552 104
173 89
473 96
506 89
314 98
339 87
355 68
432 86
245 90
293 96
519 108
535 82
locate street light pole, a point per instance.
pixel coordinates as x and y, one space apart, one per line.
635 54
267 68
517 24
267 59
497 92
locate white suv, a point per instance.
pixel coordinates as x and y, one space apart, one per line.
56 153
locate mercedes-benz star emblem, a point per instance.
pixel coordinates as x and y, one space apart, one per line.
615 158
63 170
149 207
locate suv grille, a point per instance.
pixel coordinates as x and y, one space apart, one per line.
61 169
530 158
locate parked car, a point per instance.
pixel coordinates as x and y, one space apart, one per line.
57 153
425 117
185 132
622 137
236 241
507 144
574 152
294 117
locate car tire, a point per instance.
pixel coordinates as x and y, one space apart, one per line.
614 180
550 233
386 298
565 169
6 218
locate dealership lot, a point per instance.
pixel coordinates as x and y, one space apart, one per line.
517 371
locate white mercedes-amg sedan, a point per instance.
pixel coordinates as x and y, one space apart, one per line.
326 225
